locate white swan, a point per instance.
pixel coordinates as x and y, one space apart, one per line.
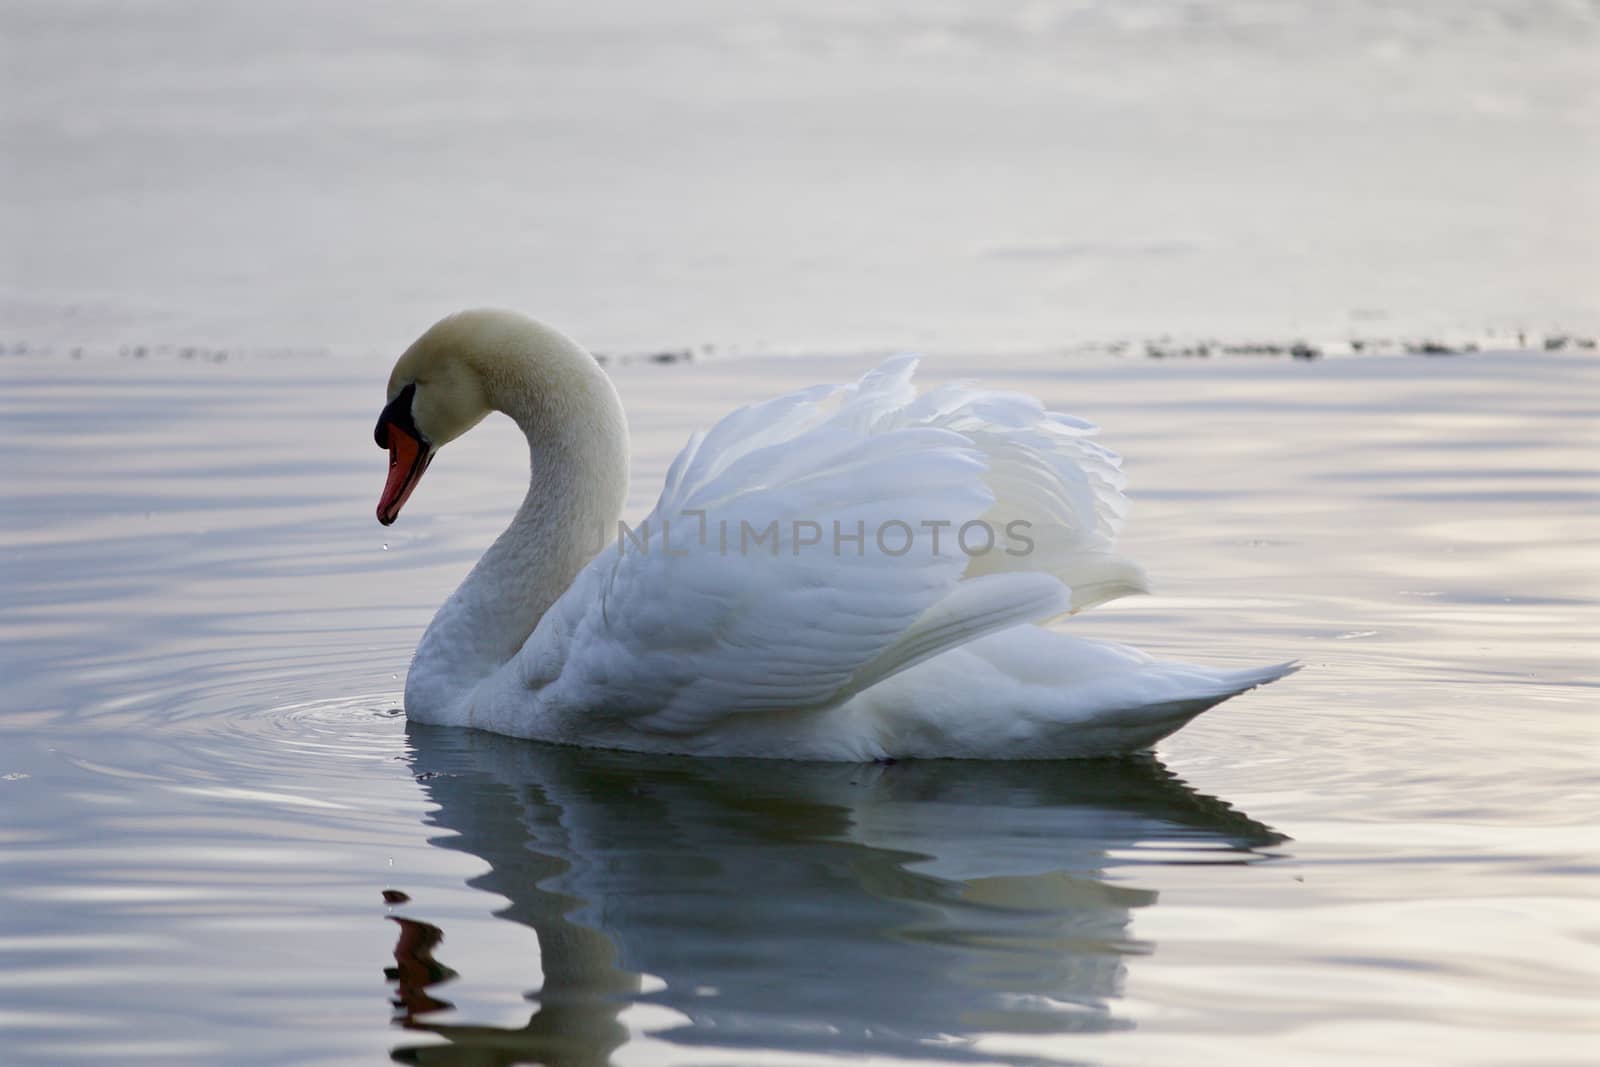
786 598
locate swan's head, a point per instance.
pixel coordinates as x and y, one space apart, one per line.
475 362
436 394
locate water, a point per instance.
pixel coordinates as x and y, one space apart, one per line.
815 174
206 790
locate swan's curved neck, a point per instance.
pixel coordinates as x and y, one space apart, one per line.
578 458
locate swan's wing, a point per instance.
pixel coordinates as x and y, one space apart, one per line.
774 573
1049 480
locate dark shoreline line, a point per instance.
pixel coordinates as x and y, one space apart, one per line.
1159 348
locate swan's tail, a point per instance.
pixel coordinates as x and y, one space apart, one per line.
1045 695
1232 683
1160 690
1165 699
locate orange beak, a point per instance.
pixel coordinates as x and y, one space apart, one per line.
408 458
409 453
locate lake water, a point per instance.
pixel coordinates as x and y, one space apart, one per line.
833 175
220 843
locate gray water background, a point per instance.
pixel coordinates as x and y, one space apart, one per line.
206 786
818 175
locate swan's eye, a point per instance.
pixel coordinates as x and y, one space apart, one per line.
397 413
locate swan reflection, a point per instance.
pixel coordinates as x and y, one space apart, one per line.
892 910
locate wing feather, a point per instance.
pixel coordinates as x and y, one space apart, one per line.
785 589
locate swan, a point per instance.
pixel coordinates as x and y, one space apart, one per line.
790 595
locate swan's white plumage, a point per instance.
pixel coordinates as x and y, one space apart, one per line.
675 644
689 637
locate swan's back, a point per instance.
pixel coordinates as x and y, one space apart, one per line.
806 555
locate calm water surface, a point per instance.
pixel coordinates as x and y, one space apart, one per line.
803 175
221 843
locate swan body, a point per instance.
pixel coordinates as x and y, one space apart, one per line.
790 595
